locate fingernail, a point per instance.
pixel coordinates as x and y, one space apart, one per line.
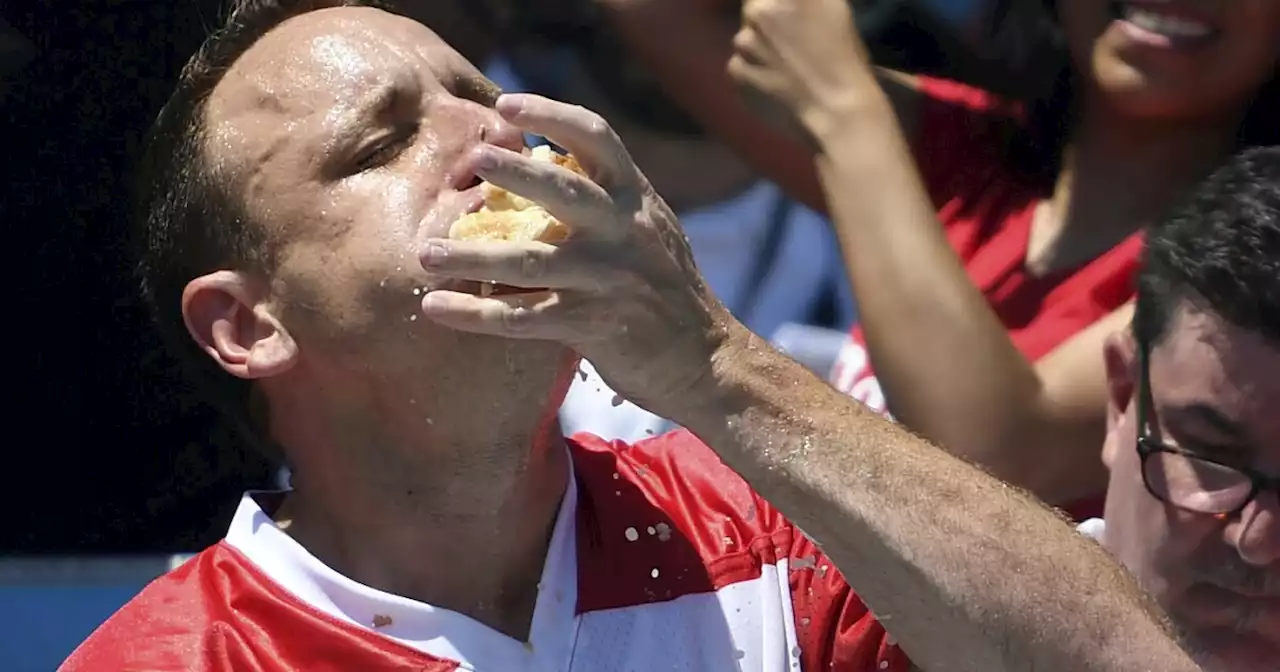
435 253
433 303
509 105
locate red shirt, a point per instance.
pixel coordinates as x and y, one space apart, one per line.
661 559
987 211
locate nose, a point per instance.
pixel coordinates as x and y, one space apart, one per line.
1256 534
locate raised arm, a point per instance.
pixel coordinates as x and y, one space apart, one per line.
965 571
687 45
946 363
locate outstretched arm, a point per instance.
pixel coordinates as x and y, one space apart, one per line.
967 572
971 574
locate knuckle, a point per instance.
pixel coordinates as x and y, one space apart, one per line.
572 189
596 126
516 319
755 10
533 264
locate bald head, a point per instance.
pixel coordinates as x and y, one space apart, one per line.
311 144
318 75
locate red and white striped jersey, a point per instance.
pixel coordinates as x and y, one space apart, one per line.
662 559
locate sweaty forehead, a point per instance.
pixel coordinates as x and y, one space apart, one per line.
310 71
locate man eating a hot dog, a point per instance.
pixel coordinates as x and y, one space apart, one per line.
311 164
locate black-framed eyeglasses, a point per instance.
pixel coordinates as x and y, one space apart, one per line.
1186 480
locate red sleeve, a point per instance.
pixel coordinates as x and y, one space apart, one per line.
959 137
166 628
218 613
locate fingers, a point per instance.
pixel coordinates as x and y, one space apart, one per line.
569 197
525 265
748 47
584 133
538 315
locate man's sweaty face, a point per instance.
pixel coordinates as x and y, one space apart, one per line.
344 130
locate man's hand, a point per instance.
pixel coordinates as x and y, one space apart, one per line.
803 55
623 291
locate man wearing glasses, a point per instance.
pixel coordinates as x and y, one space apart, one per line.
1194 444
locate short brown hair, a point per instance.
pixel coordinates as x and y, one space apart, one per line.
189 223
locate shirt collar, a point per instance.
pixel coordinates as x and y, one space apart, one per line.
432 630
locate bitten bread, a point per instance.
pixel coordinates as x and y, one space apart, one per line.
512 218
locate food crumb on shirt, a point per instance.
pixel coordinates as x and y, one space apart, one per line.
381 620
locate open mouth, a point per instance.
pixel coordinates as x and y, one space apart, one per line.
1165 24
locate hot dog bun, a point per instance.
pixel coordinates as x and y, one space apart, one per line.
512 218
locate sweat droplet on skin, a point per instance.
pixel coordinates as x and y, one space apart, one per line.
417 291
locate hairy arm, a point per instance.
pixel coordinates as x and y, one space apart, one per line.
687 45
966 572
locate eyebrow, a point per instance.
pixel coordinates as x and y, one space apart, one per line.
1233 437
1208 415
346 125
382 100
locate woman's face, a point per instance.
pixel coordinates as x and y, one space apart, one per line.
1174 58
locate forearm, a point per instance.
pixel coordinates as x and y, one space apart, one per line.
687 45
966 572
945 361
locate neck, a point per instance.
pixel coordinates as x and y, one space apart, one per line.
1121 173
378 494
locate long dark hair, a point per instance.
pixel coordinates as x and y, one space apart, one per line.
1036 147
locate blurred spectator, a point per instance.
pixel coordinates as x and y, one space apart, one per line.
1192 446
1040 204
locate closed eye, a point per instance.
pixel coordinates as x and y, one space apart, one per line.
385 149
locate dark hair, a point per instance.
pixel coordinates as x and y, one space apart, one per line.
1036 147
189 224
1220 251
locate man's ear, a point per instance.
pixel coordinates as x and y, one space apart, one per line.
1120 353
229 316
